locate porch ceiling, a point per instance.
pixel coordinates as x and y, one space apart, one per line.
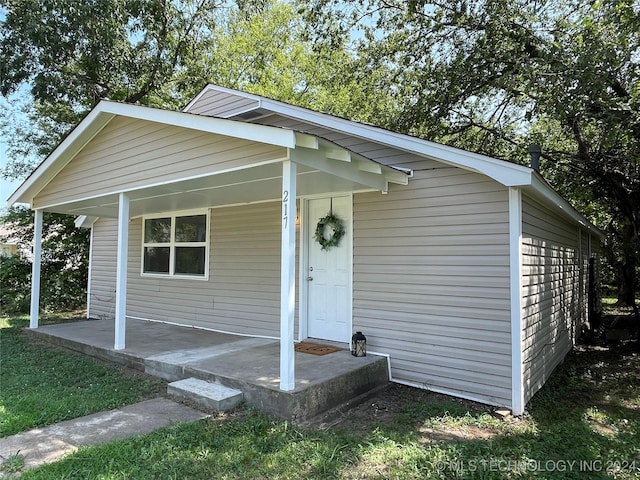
250 185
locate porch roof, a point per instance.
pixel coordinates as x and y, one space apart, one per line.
322 167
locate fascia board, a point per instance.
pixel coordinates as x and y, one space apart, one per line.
85 221
509 174
247 131
87 129
196 98
541 190
506 173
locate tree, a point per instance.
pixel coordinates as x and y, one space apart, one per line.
159 53
72 54
65 253
494 75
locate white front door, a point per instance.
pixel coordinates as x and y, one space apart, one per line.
329 273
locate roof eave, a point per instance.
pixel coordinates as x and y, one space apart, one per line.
540 187
509 174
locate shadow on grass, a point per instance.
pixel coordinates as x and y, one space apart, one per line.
585 423
22 321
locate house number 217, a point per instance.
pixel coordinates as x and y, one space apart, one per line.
285 208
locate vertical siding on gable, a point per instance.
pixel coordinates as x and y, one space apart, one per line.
102 282
431 281
553 289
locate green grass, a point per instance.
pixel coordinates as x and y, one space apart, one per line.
584 424
41 384
14 463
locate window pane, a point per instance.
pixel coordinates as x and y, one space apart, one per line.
190 260
157 230
156 259
191 229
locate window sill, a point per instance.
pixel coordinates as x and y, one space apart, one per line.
199 278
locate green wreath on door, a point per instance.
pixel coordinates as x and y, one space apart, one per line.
338 231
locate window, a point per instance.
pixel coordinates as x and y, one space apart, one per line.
176 245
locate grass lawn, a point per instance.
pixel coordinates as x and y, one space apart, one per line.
584 424
41 384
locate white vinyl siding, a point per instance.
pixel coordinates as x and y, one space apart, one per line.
131 154
102 283
431 281
554 291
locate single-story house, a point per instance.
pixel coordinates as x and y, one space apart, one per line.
467 272
8 244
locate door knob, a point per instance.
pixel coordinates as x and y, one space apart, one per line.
309 279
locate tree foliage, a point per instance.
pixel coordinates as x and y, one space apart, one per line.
495 75
161 53
72 54
65 253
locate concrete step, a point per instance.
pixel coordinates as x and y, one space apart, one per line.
207 394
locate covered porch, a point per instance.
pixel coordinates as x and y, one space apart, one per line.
126 163
248 364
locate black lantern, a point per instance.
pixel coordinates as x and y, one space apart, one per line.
359 345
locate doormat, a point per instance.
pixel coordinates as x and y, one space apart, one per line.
314 348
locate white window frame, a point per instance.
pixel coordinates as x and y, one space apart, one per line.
173 244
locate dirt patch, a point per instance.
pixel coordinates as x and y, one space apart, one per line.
428 435
601 368
397 404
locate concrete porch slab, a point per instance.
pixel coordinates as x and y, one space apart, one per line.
251 365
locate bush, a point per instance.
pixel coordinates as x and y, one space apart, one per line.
64 263
15 278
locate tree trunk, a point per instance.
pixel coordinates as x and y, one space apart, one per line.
626 272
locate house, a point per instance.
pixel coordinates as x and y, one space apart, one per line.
8 244
467 272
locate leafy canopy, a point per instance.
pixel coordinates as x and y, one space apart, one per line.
493 76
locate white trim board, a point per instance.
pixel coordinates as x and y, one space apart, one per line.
105 111
515 275
507 173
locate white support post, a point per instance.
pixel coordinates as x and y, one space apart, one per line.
35 269
121 271
515 273
287 276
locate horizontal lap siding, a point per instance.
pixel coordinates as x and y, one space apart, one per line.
131 153
242 294
431 281
553 286
102 280
219 104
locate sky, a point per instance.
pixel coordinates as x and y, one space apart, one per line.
10 110
7 187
